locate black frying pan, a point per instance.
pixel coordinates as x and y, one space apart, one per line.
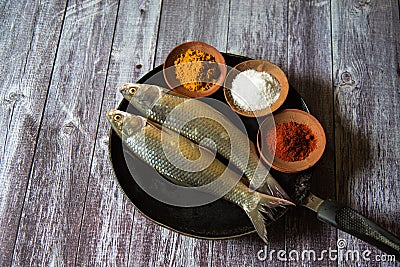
206 221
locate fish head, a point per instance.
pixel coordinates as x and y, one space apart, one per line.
141 96
128 90
125 123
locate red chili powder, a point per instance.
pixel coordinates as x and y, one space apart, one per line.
294 141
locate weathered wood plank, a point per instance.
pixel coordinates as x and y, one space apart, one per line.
52 212
257 29
183 21
367 104
180 21
106 208
154 245
310 72
366 78
29 35
244 251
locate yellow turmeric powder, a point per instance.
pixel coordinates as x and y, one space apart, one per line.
196 70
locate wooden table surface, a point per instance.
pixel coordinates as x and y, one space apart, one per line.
62 61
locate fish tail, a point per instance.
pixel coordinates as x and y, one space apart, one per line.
270 187
262 181
263 213
275 188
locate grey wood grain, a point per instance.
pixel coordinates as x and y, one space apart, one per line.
51 218
75 214
153 245
192 20
310 73
180 21
107 209
29 35
367 104
257 29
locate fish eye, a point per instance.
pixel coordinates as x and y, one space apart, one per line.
132 90
117 118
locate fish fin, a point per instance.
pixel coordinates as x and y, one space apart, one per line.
262 214
270 187
160 127
207 150
154 124
258 220
175 93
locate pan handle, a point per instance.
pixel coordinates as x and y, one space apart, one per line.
350 221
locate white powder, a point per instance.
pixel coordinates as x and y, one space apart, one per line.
254 90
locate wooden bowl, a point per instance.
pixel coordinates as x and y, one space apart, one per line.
262 66
298 116
169 68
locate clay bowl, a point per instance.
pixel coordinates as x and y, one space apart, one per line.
298 116
175 84
262 66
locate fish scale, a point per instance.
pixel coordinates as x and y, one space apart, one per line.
157 103
150 144
147 146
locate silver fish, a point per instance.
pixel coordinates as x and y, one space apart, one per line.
165 107
144 139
